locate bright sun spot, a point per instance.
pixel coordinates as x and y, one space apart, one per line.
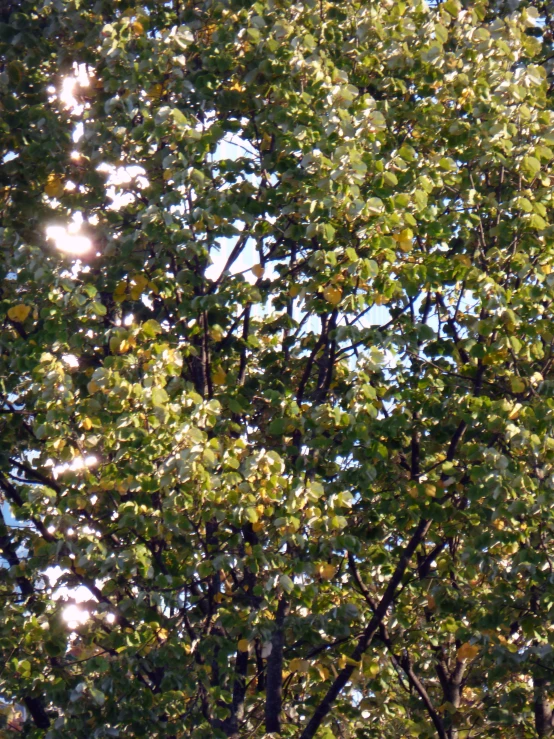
78 463
80 78
69 241
71 360
120 178
75 616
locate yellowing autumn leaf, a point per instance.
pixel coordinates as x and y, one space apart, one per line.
431 603
86 423
54 186
19 312
219 376
299 665
430 490
155 92
371 668
332 294
216 334
463 259
138 28
258 270
327 571
467 651
323 671
344 660
140 281
120 288
413 490
517 384
243 645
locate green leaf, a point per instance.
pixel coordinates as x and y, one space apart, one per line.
159 396
286 583
151 328
531 166
98 308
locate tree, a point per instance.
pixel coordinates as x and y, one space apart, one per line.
276 362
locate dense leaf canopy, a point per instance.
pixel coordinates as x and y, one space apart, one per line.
276 364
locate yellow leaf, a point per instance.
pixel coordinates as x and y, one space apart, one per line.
467 651
431 602
93 387
463 259
294 290
344 660
405 246
371 668
430 490
299 665
141 281
327 571
258 270
323 671
236 86
162 634
155 92
19 312
332 294
257 526
54 186
412 490
86 423
219 376
120 292
243 645
138 28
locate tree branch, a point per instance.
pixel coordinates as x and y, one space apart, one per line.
274 677
365 640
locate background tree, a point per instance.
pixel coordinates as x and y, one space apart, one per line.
276 363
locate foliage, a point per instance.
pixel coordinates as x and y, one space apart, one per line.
288 424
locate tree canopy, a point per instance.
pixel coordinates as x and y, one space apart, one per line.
276 363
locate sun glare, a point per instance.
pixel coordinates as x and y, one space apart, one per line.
80 78
68 241
75 616
79 463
